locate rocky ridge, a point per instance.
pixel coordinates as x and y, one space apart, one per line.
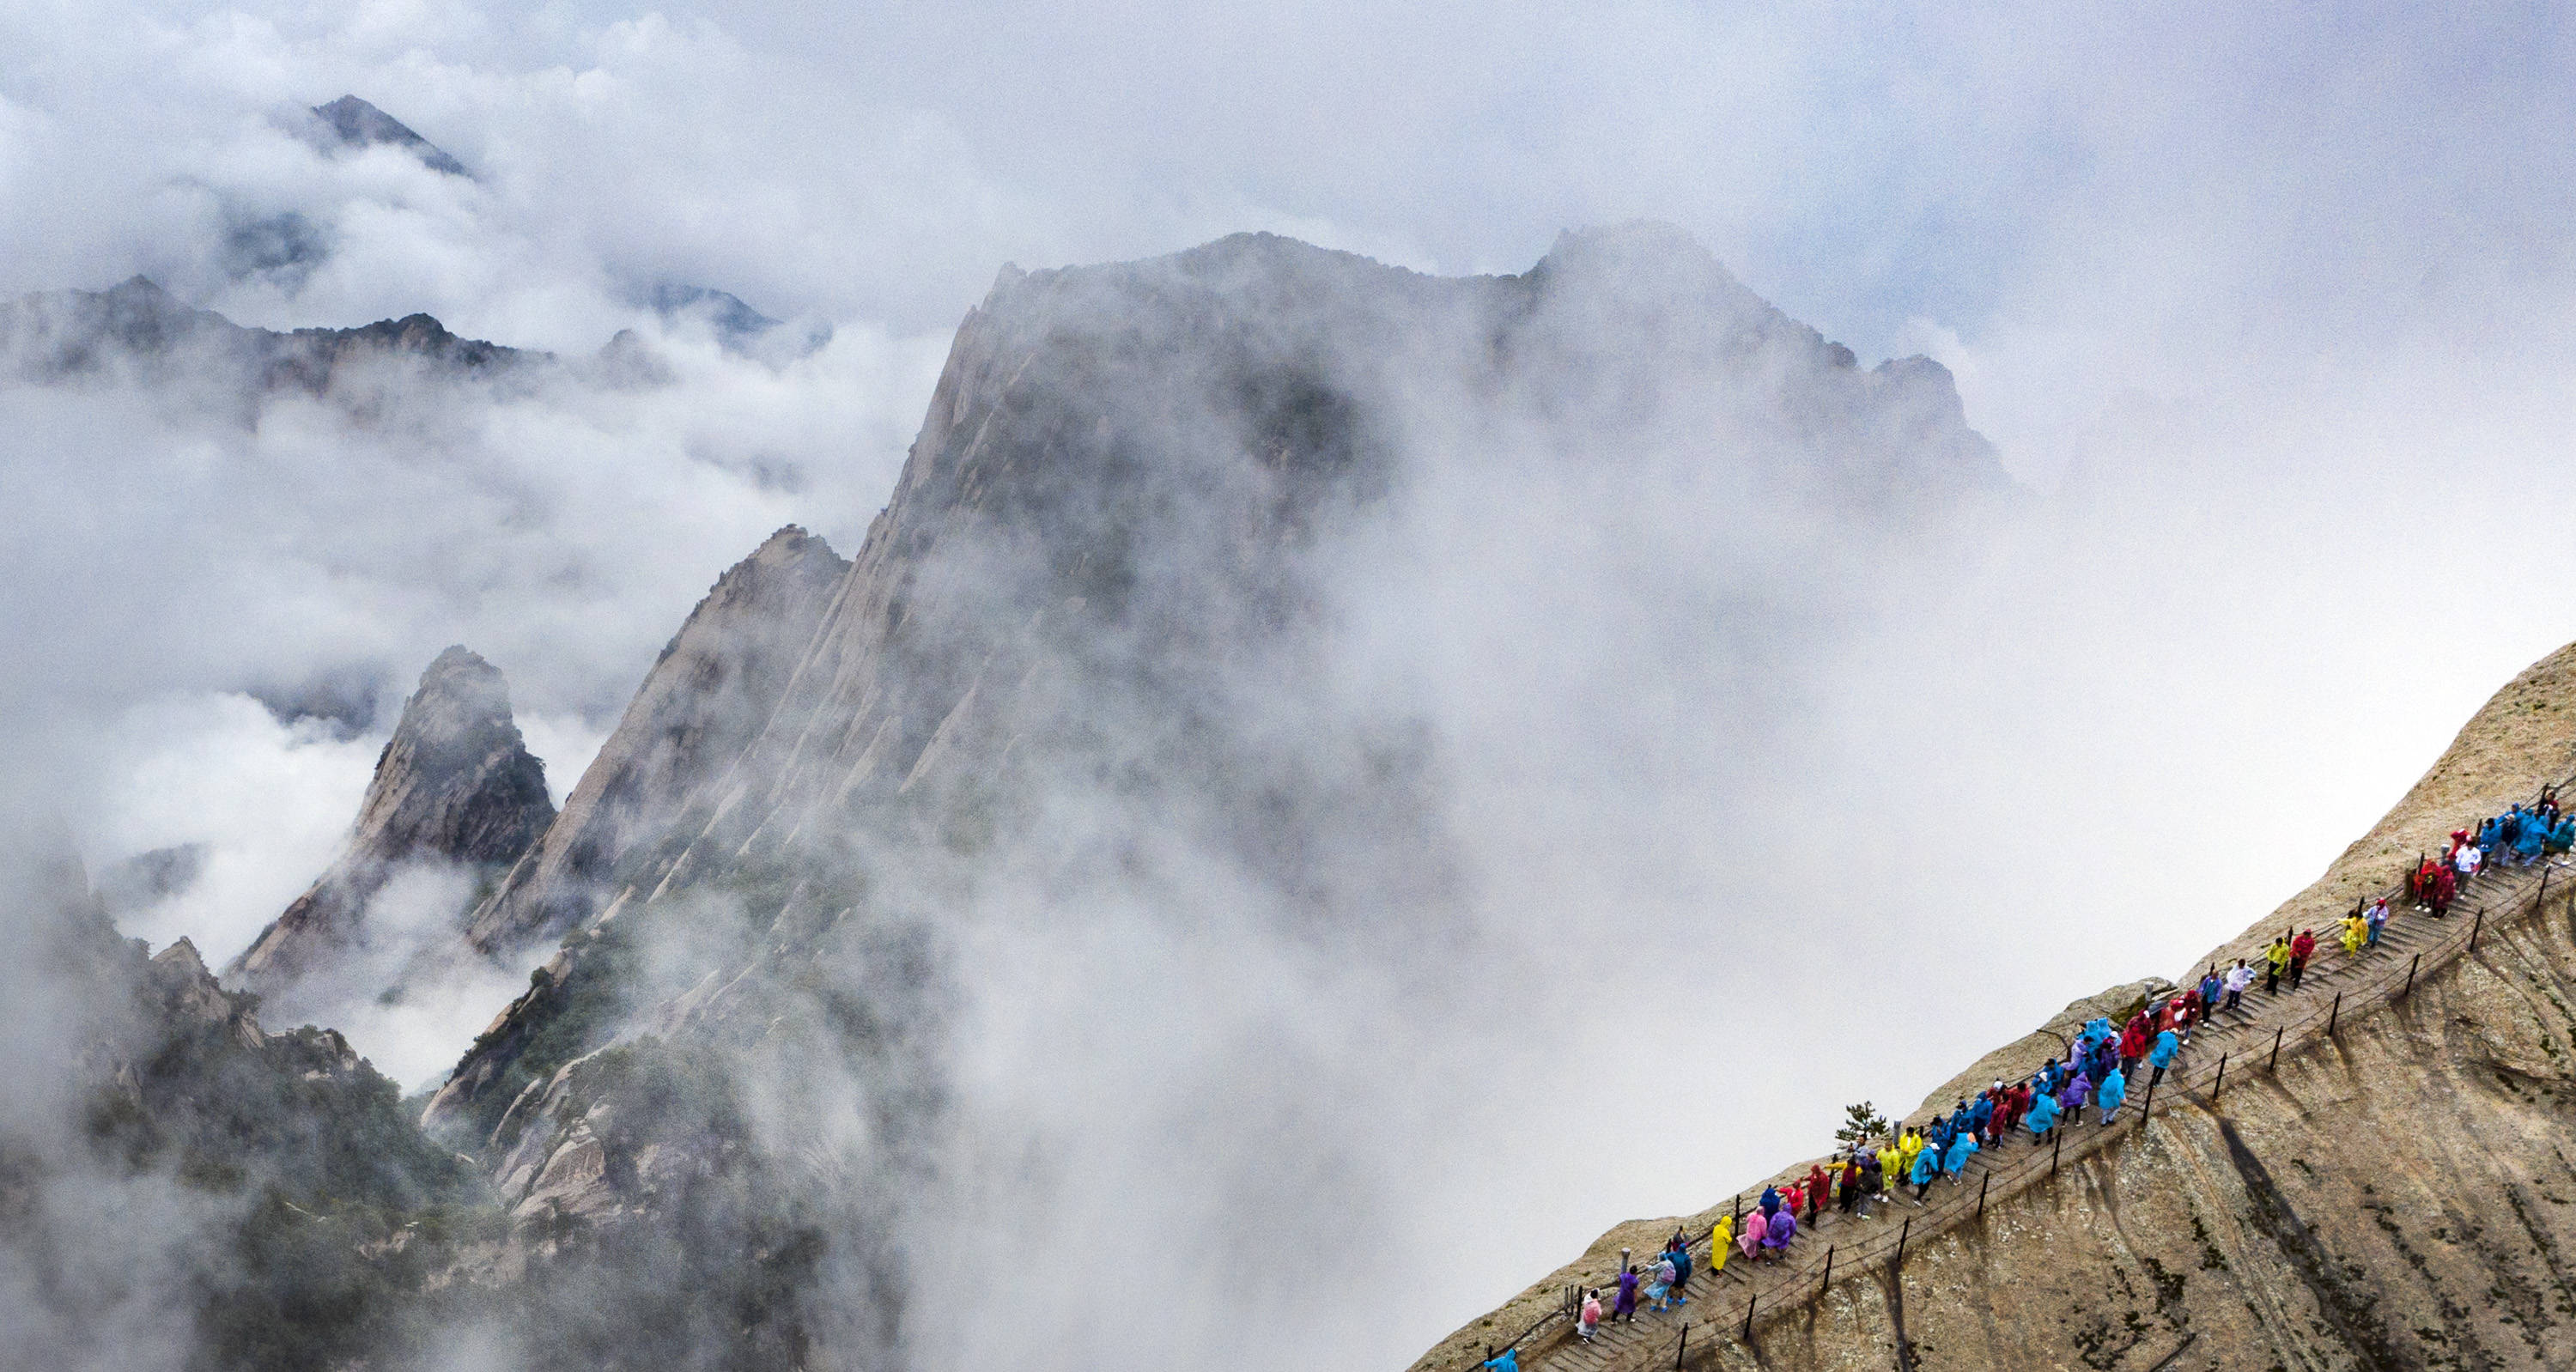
1099 576
2391 1196
289 1150
455 786
138 329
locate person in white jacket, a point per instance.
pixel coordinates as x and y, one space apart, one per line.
2238 978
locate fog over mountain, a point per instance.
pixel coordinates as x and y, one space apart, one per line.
1256 790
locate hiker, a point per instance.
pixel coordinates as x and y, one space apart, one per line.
1962 1148
2562 836
2375 919
2446 888
2211 984
2071 1100
2111 1094
1510 1361
1891 1164
1756 1228
2466 861
1792 1197
2301 949
1927 1165
2043 1115
1873 1179
1783 1229
1681 1260
1770 1201
2277 959
1591 1314
1847 1181
1659 1285
2162 1055
2187 1008
2133 1040
2234 983
1721 1245
2528 845
1625 1307
1819 1190
2355 929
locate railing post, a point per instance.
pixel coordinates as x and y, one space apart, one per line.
2475 927
1682 1347
2275 1064
1901 1236
2333 1011
2221 1083
1748 1315
2410 975
1981 1199
2056 1144
2150 1107
1829 1268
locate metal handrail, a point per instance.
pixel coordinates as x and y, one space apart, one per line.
1940 1216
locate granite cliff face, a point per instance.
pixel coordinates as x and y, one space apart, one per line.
455 787
2396 1194
711 691
1084 628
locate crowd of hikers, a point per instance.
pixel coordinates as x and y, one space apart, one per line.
2098 1071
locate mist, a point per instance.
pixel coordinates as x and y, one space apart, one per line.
1746 817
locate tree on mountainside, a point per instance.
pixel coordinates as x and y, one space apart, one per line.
1861 1123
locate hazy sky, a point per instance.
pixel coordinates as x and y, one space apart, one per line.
2271 306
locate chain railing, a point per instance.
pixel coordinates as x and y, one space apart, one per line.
2360 983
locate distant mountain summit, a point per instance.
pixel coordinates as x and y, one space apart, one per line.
352 123
137 329
455 785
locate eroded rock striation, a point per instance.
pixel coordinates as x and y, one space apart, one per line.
1084 627
455 786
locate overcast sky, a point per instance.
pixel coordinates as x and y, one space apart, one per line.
2272 306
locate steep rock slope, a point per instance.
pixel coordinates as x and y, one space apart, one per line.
285 1157
455 785
2400 1194
707 696
1085 626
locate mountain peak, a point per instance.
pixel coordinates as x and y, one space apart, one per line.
455 784
356 124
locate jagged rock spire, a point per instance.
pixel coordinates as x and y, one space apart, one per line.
455 784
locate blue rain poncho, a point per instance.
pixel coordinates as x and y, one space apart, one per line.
2113 1090
1961 1149
1927 1165
2043 1113
2167 1044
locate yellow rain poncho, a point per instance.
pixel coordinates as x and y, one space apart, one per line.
1721 1243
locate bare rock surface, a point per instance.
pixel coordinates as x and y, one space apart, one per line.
708 695
2400 1194
455 785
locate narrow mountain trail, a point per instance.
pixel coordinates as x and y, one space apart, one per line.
2229 1048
